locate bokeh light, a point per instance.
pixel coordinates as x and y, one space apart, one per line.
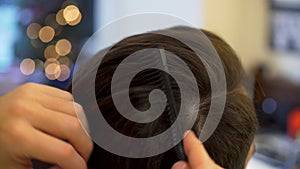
50 52
64 60
33 30
27 66
36 43
49 61
72 15
39 66
52 71
64 73
63 47
60 18
51 21
46 34
269 105
76 21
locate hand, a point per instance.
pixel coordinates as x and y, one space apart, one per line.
34 121
198 158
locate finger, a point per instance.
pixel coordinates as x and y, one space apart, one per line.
49 149
59 125
196 153
82 117
180 165
52 91
65 127
58 104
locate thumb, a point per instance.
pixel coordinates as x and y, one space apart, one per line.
196 153
180 165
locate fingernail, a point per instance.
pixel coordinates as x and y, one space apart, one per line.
193 135
82 117
179 165
186 133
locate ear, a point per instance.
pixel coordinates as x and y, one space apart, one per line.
250 154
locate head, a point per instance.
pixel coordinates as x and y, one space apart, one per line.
230 145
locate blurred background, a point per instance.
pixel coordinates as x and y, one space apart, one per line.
40 41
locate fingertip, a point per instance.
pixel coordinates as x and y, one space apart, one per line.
82 164
190 136
186 133
180 165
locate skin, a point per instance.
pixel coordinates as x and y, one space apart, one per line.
250 153
34 121
197 155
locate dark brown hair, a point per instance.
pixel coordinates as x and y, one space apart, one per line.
229 144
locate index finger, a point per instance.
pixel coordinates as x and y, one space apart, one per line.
52 91
52 150
196 153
